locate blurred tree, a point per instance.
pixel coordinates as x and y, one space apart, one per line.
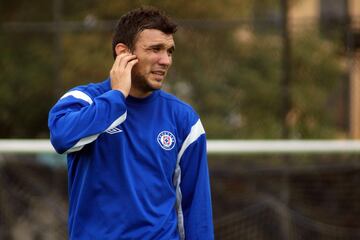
318 73
227 65
25 11
25 84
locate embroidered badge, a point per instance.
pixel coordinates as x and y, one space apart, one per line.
166 140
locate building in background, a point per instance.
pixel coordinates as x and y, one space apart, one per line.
327 14
354 12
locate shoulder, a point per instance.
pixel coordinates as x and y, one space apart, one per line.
185 114
93 89
88 92
176 103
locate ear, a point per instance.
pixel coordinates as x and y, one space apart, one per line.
121 48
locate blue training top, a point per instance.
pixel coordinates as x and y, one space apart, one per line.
137 168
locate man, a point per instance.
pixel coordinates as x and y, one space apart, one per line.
137 165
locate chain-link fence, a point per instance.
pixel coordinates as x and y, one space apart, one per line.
286 197
262 197
33 198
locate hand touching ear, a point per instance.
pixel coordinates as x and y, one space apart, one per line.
120 73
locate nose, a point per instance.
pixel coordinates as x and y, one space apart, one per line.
165 59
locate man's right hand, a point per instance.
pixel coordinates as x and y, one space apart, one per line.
120 73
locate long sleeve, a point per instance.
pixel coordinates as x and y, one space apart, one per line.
78 118
195 187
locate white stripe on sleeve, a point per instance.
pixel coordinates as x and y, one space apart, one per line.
196 131
82 142
78 94
86 140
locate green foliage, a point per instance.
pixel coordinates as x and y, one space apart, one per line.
87 58
236 84
210 64
230 71
317 74
26 86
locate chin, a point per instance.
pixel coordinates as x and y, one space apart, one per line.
155 84
157 87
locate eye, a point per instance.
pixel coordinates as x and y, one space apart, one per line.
156 49
171 51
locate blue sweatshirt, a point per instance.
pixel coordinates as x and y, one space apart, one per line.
137 168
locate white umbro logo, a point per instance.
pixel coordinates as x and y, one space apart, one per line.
114 130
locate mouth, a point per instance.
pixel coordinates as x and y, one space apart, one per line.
159 75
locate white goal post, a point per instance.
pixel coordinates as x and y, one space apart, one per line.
18 146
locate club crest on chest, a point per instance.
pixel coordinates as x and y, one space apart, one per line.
166 140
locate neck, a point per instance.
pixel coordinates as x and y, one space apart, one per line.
134 92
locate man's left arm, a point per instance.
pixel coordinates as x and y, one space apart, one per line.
195 187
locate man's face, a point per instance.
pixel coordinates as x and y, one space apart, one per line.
153 49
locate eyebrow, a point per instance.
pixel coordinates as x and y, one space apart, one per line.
161 45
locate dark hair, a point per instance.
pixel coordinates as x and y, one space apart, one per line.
137 20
